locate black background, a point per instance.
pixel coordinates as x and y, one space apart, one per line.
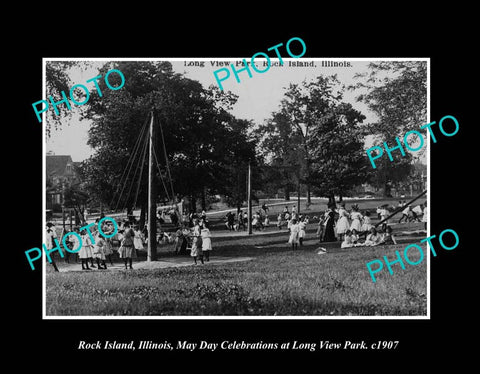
443 338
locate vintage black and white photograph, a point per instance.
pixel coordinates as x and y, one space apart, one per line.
229 188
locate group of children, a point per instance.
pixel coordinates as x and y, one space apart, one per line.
297 231
352 238
199 239
94 254
260 220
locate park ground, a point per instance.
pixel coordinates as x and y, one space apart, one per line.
250 275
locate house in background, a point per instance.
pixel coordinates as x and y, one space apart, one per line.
60 172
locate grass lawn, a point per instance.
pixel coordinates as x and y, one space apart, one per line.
276 281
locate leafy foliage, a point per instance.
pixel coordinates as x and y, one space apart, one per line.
396 91
57 79
197 142
316 137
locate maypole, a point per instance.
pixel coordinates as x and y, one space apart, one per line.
152 206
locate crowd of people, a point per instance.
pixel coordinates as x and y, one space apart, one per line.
94 254
191 232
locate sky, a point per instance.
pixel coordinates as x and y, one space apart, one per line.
259 95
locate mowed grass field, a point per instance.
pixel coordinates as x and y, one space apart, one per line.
275 282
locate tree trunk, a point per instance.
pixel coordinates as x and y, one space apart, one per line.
387 191
204 199
331 201
193 204
143 214
287 193
309 194
340 198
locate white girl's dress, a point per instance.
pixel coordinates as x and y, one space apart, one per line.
206 240
301 233
98 249
196 245
356 224
367 224
294 234
372 240
138 240
342 223
347 242
86 250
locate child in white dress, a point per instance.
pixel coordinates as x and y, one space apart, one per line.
138 239
279 221
196 250
347 240
206 242
373 238
355 238
86 252
294 234
425 214
356 218
301 234
342 223
99 251
367 222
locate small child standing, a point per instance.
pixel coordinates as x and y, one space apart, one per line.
127 250
179 238
342 224
84 253
321 227
51 235
279 221
138 239
294 234
301 234
87 247
196 250
98 251
367 222
206 242
266 222
425 214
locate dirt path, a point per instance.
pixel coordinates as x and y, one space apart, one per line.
161 264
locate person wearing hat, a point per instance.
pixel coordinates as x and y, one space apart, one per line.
51 235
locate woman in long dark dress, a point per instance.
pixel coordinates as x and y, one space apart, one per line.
329 228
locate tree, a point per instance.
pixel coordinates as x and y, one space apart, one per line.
338 158
236 151
77 199
57 79
280 147
316 139
397 93
194 136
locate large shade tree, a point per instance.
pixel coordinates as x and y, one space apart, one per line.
195 135
316 139
396 91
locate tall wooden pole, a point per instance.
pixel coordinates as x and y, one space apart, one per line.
249 197
152 206
298 198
